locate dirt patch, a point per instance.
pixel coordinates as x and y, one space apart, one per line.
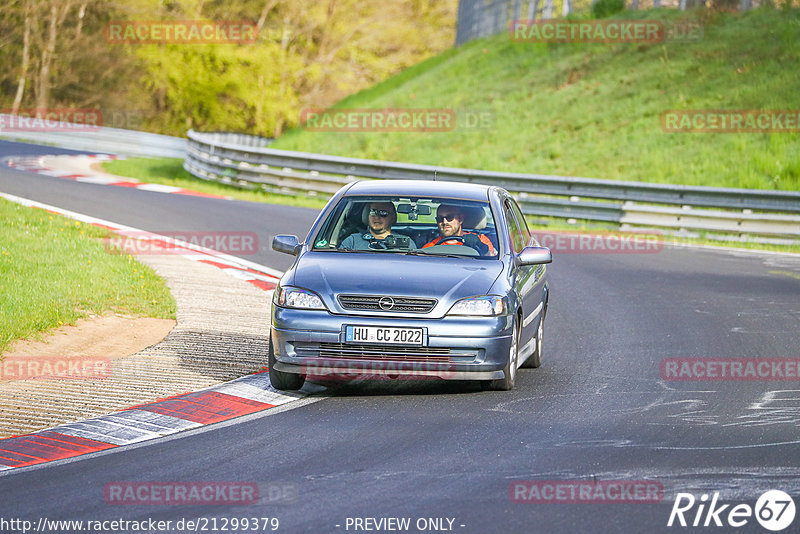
110 336
98 168
222 333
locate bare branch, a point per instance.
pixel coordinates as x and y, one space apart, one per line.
81 13
262 19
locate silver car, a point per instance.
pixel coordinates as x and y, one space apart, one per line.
411 279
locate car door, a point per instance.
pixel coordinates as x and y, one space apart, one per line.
527 280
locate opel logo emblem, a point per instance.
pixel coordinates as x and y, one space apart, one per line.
386 303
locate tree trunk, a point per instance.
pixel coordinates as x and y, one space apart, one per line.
566 8
26 52
43 94
533 7
48 51
548 10
81 13
280 119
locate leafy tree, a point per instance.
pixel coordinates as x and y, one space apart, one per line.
309 53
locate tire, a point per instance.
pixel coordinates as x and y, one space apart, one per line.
510 371
535 359
280 380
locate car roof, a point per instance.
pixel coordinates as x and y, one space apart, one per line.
420 188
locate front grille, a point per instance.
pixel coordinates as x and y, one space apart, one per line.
398 304
376 352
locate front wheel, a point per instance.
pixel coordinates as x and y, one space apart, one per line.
510 371
281 380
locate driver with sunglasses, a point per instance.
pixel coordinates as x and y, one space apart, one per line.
450 219
382 215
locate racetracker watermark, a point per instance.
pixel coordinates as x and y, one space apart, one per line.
381 120
586 491
145 243
128 119
54 368
51 120
730 121
568 242
181 493
587 31
181 32
346 370
734 369
603 31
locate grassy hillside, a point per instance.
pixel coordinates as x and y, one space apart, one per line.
594 110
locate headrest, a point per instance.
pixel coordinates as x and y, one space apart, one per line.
356 213
474 217
365 213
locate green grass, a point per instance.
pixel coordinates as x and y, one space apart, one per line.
594 110
54 270
170 171
591 110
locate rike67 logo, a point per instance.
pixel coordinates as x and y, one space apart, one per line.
774 511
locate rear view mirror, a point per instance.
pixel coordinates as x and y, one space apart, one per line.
414 211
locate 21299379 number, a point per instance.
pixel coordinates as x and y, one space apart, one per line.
225 524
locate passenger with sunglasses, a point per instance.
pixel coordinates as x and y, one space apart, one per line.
380 219
450 220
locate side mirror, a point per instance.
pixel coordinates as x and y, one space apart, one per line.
534 256
287 244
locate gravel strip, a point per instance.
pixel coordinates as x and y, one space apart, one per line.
222 332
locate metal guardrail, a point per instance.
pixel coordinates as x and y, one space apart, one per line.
246 161
101 139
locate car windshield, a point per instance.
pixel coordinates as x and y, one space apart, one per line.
419 226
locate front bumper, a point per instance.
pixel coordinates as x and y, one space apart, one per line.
312 342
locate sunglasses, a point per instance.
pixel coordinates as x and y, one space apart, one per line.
379 213
450 217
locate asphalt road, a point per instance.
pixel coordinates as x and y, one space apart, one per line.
597 409
157 212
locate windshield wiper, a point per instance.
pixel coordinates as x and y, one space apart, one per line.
420 253
349 250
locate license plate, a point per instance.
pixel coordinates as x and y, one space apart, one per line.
384 334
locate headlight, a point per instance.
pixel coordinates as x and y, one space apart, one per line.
294 297
485 305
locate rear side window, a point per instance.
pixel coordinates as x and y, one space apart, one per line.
518 239
521 223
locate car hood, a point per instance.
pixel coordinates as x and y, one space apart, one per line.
445 279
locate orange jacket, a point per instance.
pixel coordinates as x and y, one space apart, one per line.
482 238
